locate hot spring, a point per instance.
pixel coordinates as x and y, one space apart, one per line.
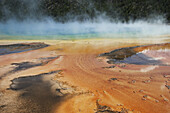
76 30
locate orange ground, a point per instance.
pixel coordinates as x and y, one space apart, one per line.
84 70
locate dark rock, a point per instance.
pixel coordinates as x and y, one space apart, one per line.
166 76
2 106
39 96
119 104
24 82
17 48
133 81
145 96
129 55
146 81
110 67
113 79
167 86
120 54
156 101
104 109
27 65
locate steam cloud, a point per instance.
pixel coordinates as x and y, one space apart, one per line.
77 29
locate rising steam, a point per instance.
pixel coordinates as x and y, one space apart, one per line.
102 29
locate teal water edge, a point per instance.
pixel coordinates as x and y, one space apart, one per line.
74 37
70 37
51 30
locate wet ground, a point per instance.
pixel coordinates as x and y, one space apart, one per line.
27 65
17 48
140 55
36 93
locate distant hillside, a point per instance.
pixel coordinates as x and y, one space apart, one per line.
82 10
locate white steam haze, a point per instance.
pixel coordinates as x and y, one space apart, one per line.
47 28
103 29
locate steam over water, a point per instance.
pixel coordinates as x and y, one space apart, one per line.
103 29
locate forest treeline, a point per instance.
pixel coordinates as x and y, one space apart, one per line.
84 10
